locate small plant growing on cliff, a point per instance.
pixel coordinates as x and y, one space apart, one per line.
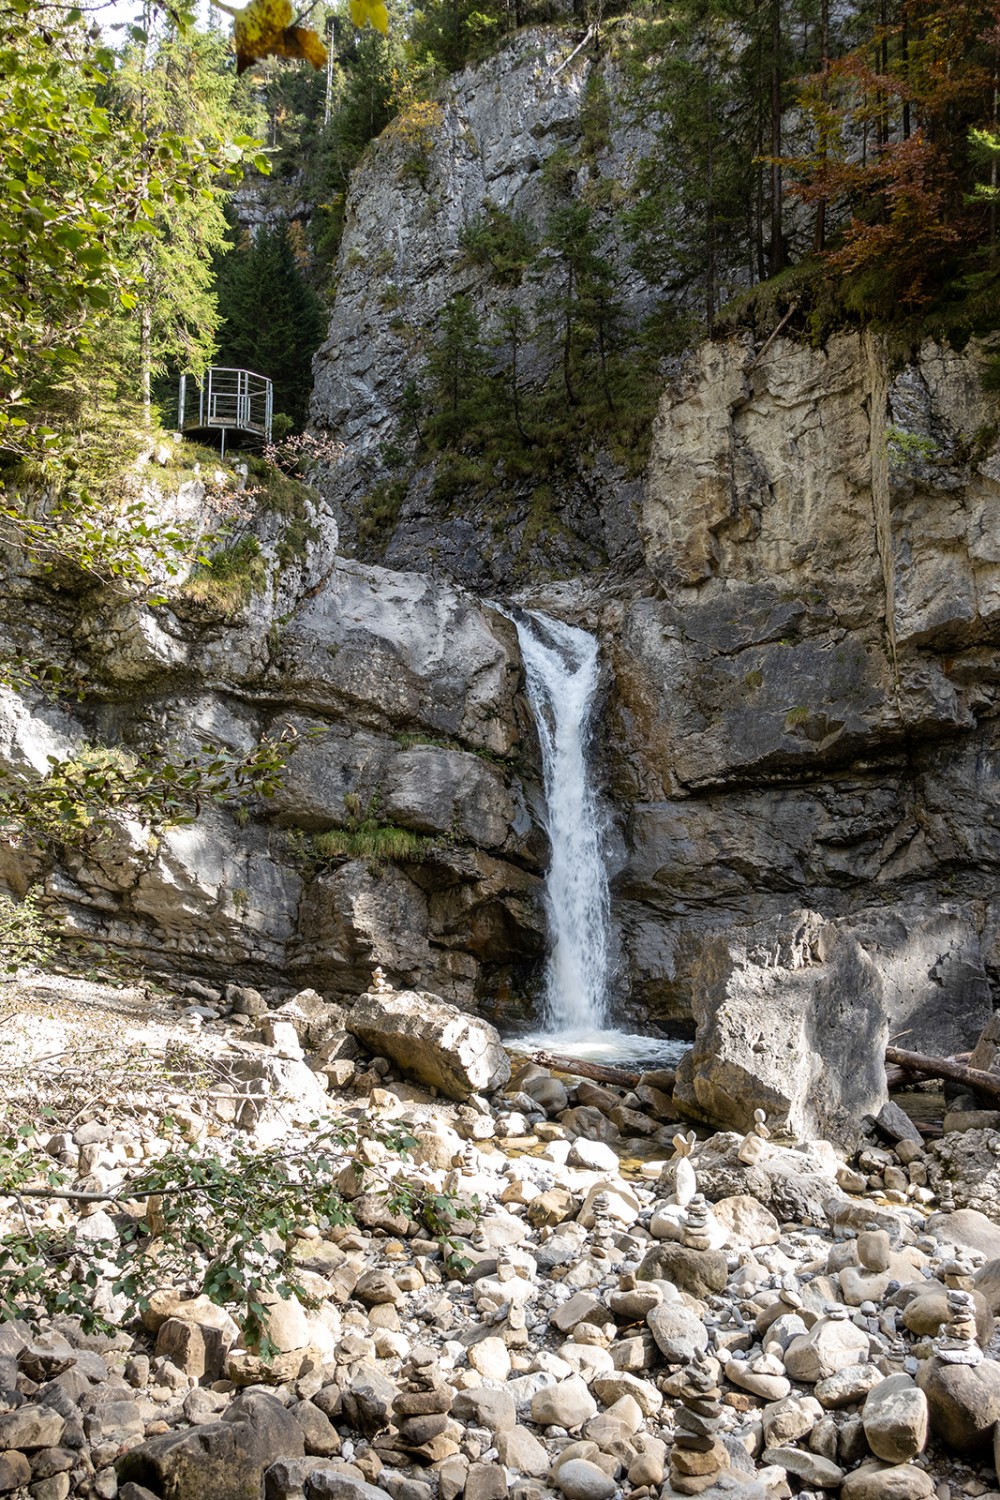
230 579
909 447
504 242
25 934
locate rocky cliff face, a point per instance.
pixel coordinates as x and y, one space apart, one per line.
402 700
515 134
803 701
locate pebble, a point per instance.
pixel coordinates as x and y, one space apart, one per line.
565 1361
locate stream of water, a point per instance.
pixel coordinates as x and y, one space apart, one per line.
562 669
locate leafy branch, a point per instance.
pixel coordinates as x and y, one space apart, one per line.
68 803
230 1223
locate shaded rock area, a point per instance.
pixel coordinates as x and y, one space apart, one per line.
620 1317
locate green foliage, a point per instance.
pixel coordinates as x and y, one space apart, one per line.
504 242
228 581
178 85
319 139
379 511
367 836
380 843
909 447
69 803
82 542
271 319
595 115
25 934
70 194
235 1215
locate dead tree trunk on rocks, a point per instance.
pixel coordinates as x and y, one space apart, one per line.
987 1085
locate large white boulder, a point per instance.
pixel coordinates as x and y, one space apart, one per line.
432 1041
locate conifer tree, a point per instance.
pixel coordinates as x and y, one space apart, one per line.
271 319
179 87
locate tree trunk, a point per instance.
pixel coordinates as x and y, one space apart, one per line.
819 228
777 240
597 1072
985 1084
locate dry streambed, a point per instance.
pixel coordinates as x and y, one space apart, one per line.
735 1318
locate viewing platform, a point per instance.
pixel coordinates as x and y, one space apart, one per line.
235 402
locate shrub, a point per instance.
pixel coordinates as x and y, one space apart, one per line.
25 935
230 579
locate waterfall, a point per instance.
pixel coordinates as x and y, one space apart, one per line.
561 667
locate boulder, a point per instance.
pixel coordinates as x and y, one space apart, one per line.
432 1041
794 1024
895 1419
882 1482
970 1160
222 1460
963 1401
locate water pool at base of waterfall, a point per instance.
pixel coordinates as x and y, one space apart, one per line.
613 1048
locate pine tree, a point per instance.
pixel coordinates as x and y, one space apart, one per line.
271 319
179 88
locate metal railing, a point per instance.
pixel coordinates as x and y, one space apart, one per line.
232 400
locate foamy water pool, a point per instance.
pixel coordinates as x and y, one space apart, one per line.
613 1048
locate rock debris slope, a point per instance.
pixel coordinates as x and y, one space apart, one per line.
733 1318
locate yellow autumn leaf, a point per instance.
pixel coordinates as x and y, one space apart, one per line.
263 29
370 13
302 41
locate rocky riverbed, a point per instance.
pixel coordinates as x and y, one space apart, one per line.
628 1311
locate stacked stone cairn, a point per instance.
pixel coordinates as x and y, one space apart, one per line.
698 1456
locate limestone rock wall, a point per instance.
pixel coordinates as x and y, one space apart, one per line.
495 138
401 697
802 709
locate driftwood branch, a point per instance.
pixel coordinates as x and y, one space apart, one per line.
987 1085
596 1072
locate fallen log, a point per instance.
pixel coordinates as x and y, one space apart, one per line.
987 1085
597 1072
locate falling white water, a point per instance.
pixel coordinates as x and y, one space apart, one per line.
561 668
